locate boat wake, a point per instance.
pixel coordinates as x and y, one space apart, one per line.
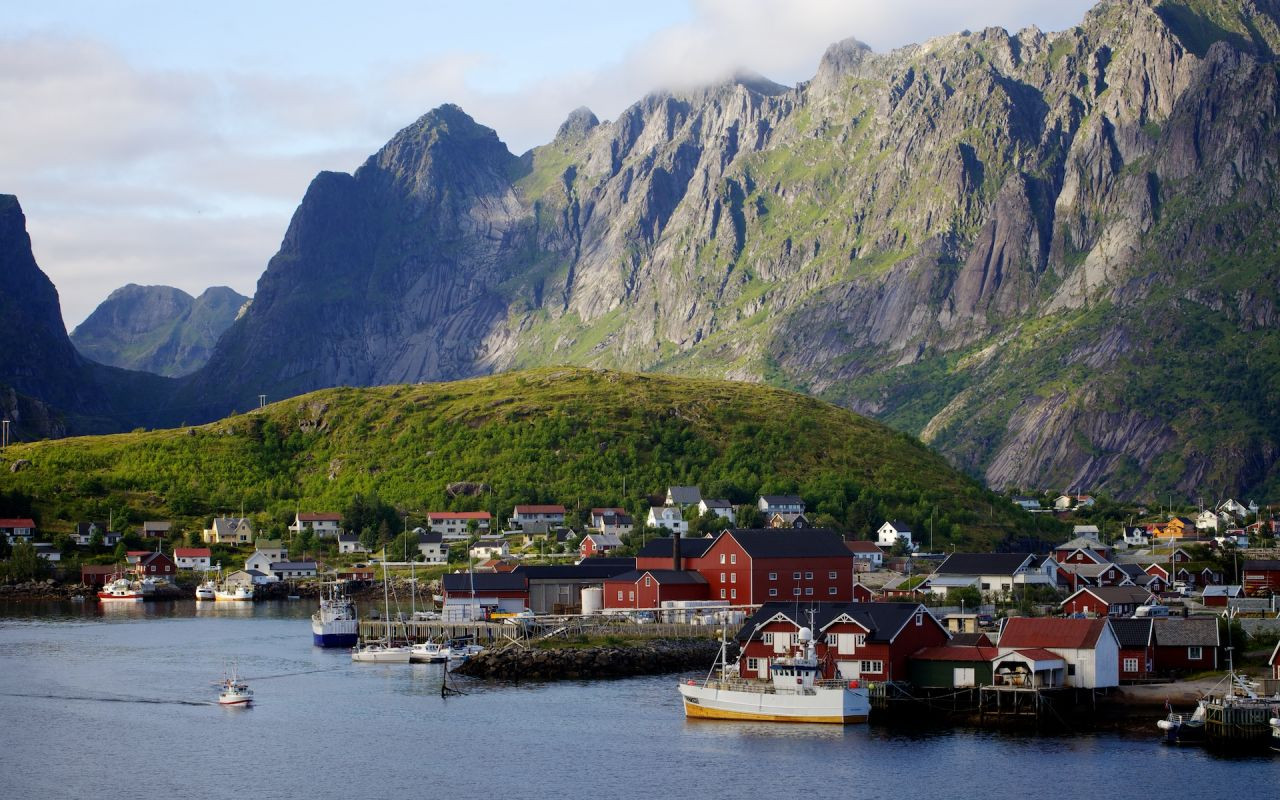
109 699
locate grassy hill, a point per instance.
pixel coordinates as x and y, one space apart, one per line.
563 435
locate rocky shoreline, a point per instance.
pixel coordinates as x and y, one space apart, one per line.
646 658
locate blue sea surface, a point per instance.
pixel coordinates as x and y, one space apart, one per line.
120 701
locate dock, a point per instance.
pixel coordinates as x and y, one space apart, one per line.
489 633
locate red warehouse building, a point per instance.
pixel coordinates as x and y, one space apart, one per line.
1261 577
657 554
868 641
651 587
755 566
1185 645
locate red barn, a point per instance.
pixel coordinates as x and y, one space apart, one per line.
1185 644
1107 601
1137 648
755 566
649 588
1261 577
869 641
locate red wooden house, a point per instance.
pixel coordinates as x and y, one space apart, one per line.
1159 571
156 565
649 588
1137 648
755 566
1107 601
863 593
1261 577
1185 644
868 641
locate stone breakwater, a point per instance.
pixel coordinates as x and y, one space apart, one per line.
647 658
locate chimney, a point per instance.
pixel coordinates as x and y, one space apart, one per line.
675 550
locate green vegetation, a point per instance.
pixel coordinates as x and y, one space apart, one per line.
570 436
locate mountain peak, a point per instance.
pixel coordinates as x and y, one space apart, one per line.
579 123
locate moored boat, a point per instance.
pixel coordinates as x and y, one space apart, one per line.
121 590
1184 728
795 692
236 592
207 591
335 624
428 653
460 650
383 651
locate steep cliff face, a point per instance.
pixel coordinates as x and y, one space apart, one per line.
157 329
46 388
1049 254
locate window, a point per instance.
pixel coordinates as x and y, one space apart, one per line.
831 590
808 576
871 666
733 594
733 577
767 638
919 618
796 591
859 639
830 639
722 577
619 594
733 558
795 575
722 594
808 590
1194 653
832 575
722 558
773 576
631 595
773 592
753 664
1131 665
1071 669
648 581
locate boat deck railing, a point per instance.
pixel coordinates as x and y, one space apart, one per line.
761 687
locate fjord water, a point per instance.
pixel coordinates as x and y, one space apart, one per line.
120 701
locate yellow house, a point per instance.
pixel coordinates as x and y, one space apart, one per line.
1179 528
228 530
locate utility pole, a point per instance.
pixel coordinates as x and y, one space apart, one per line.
4 433
262 400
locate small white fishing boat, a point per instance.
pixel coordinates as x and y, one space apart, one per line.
120 590
460 650
207 591
380 653
236 592
234 692
428 653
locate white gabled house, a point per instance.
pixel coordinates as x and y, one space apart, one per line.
432 546
668 517
894 531
192 557
722 508
1088 646
770 504
350 543
325 524
682 496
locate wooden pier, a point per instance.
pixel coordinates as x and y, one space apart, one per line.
1239 721
490 633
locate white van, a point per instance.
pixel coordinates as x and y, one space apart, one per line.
1151 611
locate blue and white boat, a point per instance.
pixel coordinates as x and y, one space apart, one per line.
335 624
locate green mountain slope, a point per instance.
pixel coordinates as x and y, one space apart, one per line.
565 435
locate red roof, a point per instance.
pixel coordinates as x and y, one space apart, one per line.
539 509
862 546
1038 654
320 516
956 654
1074 634
138 552
192 552
17 523
435 515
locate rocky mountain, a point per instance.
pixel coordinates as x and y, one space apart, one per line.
157 329
46 387
1051 255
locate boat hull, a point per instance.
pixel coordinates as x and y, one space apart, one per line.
120 598
335 639
837 706
388 655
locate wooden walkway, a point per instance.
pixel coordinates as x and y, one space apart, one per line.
491 632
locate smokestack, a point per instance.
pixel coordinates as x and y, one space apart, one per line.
675 550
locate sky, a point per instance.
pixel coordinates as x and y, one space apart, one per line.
155 142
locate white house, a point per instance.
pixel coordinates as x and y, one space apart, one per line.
1206 521
1088 646
1064 502
350 543
485 551
722 508
1086 531
249 577
1230 506
1136 536
544 516
456 525
867 554
325 524
192 557
989 573
770 504
273 548
892 532
228 530
613 521
47 551
293 569
1027 503
667 517
432 547
262 563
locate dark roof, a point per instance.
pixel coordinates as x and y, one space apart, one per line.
430 537
792 543
882 620
1261 563
899 525
717 503
1132 570
667 576
970 640
1177 631
485 582
1116 594
278 565
1134 632
588 570
982 563
689 548
783 499
684 495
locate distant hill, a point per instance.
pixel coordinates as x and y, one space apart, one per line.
157 329
567 435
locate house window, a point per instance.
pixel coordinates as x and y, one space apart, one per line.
808 590
773 592
733 594
1194 653
753 664
733 558
722 558
919 618
808 576
831 590
619 594
1131 665
631 595
986 587
871 666
767 638
733 577
832 575
796 591
795 575
830 639
722 594
1071 669
773 576
859 639
648 581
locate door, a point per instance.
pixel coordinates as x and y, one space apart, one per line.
762 670
963 677
847 670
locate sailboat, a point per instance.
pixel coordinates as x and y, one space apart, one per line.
382 652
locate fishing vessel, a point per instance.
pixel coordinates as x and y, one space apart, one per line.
795 692
234 692
460 650
121 590
428 653
335 623
236 592
207 591
1184 728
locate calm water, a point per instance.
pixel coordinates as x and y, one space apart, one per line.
97 703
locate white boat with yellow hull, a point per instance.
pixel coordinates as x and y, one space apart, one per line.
794 693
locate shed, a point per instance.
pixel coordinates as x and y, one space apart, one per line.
951 667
